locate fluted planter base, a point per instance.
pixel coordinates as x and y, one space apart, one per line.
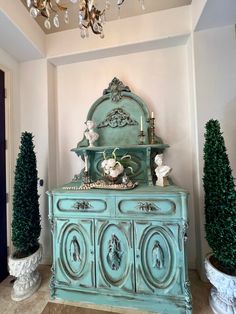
28 278
222 297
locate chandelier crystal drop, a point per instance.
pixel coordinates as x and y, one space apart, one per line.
66 17
89 16
142 4
47 24
28 2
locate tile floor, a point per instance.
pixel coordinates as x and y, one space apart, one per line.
38 301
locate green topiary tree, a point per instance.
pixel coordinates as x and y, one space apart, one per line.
220 198
26 218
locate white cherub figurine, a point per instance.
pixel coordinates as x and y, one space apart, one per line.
90 134
161 171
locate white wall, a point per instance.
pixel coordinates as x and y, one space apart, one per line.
194 143
215 66
34 118
52 126
160 78
134 34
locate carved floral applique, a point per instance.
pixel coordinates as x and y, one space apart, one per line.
117 118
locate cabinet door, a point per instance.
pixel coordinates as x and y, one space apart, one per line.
114 255
159 262
74 253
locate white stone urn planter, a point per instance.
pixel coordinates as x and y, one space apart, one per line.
28 278
223 293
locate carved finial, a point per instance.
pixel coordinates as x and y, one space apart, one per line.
115 88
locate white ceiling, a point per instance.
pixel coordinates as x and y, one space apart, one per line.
128 9
14 42
217 13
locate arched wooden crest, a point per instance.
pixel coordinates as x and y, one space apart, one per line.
117 115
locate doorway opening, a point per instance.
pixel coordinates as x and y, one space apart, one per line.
3 195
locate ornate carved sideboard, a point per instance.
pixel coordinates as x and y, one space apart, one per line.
114 245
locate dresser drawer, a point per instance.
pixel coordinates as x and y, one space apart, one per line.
86 206
149 206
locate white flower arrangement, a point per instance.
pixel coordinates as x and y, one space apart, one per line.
113 167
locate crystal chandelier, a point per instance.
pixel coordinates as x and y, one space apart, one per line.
89 17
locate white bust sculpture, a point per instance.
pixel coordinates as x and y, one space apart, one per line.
90 134
161 171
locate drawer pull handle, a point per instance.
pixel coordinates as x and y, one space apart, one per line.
82 205
147 207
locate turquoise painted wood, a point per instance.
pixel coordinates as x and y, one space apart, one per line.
121 248
74 260
113 252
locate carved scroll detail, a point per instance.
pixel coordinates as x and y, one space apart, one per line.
115 88
147 207
117 118
75 250
82 205
51 221
184 230
188 296
157 256
52 284
114 253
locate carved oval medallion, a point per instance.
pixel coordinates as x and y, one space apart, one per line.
158 257
73 251
114 255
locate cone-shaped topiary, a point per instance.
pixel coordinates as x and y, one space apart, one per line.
26 218
220 198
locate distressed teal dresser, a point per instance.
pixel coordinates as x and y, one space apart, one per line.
115 246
